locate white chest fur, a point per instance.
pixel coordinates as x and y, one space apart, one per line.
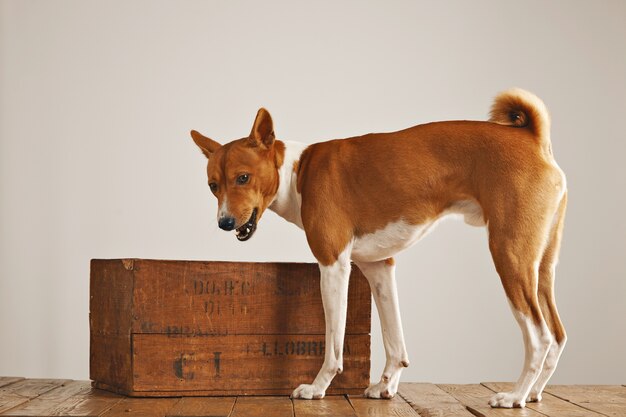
396 236
288 201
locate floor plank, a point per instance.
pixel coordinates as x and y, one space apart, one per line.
22 391
609 400
475 397
203 406
549 405
51 397
335 406
431 401
47 402
263 407
91 403
6 380
142 407
396 407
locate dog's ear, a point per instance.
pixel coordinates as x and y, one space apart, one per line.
206 145
263 130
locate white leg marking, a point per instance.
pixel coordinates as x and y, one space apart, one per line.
334 285
549 366
381 277
537 342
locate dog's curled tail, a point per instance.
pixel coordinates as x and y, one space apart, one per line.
520 108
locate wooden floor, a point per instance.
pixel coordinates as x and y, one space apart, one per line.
60 397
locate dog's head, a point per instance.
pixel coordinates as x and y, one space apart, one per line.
243 175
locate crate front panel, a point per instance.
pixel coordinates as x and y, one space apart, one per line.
242 362
160 328
219 298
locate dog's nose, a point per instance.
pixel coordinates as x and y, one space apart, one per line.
226 223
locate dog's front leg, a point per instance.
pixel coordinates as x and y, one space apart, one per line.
334 287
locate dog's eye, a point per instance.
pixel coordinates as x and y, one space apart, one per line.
213 187
243 179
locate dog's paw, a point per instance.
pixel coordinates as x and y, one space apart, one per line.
507 400
533 397
380 390
308 392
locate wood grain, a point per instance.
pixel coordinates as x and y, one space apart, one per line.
395 407
263 407
110 323
197 407
549 405
251 363
110 361
22 391
338 406
142 407
476 397
7 380
46 403
431 401
218 298
609 400
89 403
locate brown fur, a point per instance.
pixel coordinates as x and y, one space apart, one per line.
434 165
258 155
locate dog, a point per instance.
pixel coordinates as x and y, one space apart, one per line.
364 199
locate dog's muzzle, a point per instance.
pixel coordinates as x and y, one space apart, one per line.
246 231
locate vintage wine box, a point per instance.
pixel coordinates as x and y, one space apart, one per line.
185 328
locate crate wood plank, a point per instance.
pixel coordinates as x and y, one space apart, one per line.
46 403
549 405
111 297
142 407
257 362
609 400
22 391
218 298
263 407
8 380
395 407
476 398
338 406
431 401
111 361
110 322
201 407
89 403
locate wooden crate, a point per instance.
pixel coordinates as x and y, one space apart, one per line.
187 328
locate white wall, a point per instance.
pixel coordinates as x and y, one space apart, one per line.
97 99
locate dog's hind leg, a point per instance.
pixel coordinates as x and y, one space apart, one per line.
382 280
547 302
517 246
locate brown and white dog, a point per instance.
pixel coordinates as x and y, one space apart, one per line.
363 199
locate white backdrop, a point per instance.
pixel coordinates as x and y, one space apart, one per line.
97 99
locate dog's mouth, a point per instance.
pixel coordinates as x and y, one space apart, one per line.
246 231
